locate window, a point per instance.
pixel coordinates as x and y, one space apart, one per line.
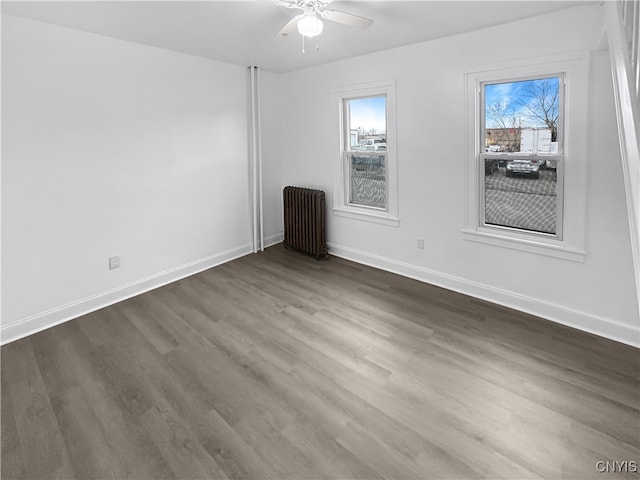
365 152
367 178
521 154
526 175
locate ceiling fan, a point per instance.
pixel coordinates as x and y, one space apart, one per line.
309 22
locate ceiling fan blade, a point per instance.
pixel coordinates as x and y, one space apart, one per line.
289 27
285 3
346 18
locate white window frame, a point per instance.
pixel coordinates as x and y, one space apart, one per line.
342 205
568 243
557 157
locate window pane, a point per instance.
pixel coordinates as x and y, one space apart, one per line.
522 116
367 119
520 194
368 179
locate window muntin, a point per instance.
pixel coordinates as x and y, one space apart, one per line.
522 154
364 153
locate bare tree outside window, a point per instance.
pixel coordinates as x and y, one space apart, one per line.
505 133
539 102
513 106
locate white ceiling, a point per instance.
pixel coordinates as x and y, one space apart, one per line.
244 32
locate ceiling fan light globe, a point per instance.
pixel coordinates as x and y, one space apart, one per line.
310 26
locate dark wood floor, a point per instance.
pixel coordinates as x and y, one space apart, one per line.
278 366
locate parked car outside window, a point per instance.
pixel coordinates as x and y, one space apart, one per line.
523 166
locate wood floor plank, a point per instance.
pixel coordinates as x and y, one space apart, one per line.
190 407
396 436
577 402
116 392
232 452
183 452
245 405
88 447
143 314
43 449
12 463
333 462
276 365
279 379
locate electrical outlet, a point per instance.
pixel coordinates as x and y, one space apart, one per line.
420 244
114 262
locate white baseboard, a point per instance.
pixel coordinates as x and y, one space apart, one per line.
550 311
41 321
273 239
547 310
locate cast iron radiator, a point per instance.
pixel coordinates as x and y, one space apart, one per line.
305 220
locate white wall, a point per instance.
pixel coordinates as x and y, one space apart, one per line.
597 295
113 148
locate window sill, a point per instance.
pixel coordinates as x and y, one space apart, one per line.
368 216
525 245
